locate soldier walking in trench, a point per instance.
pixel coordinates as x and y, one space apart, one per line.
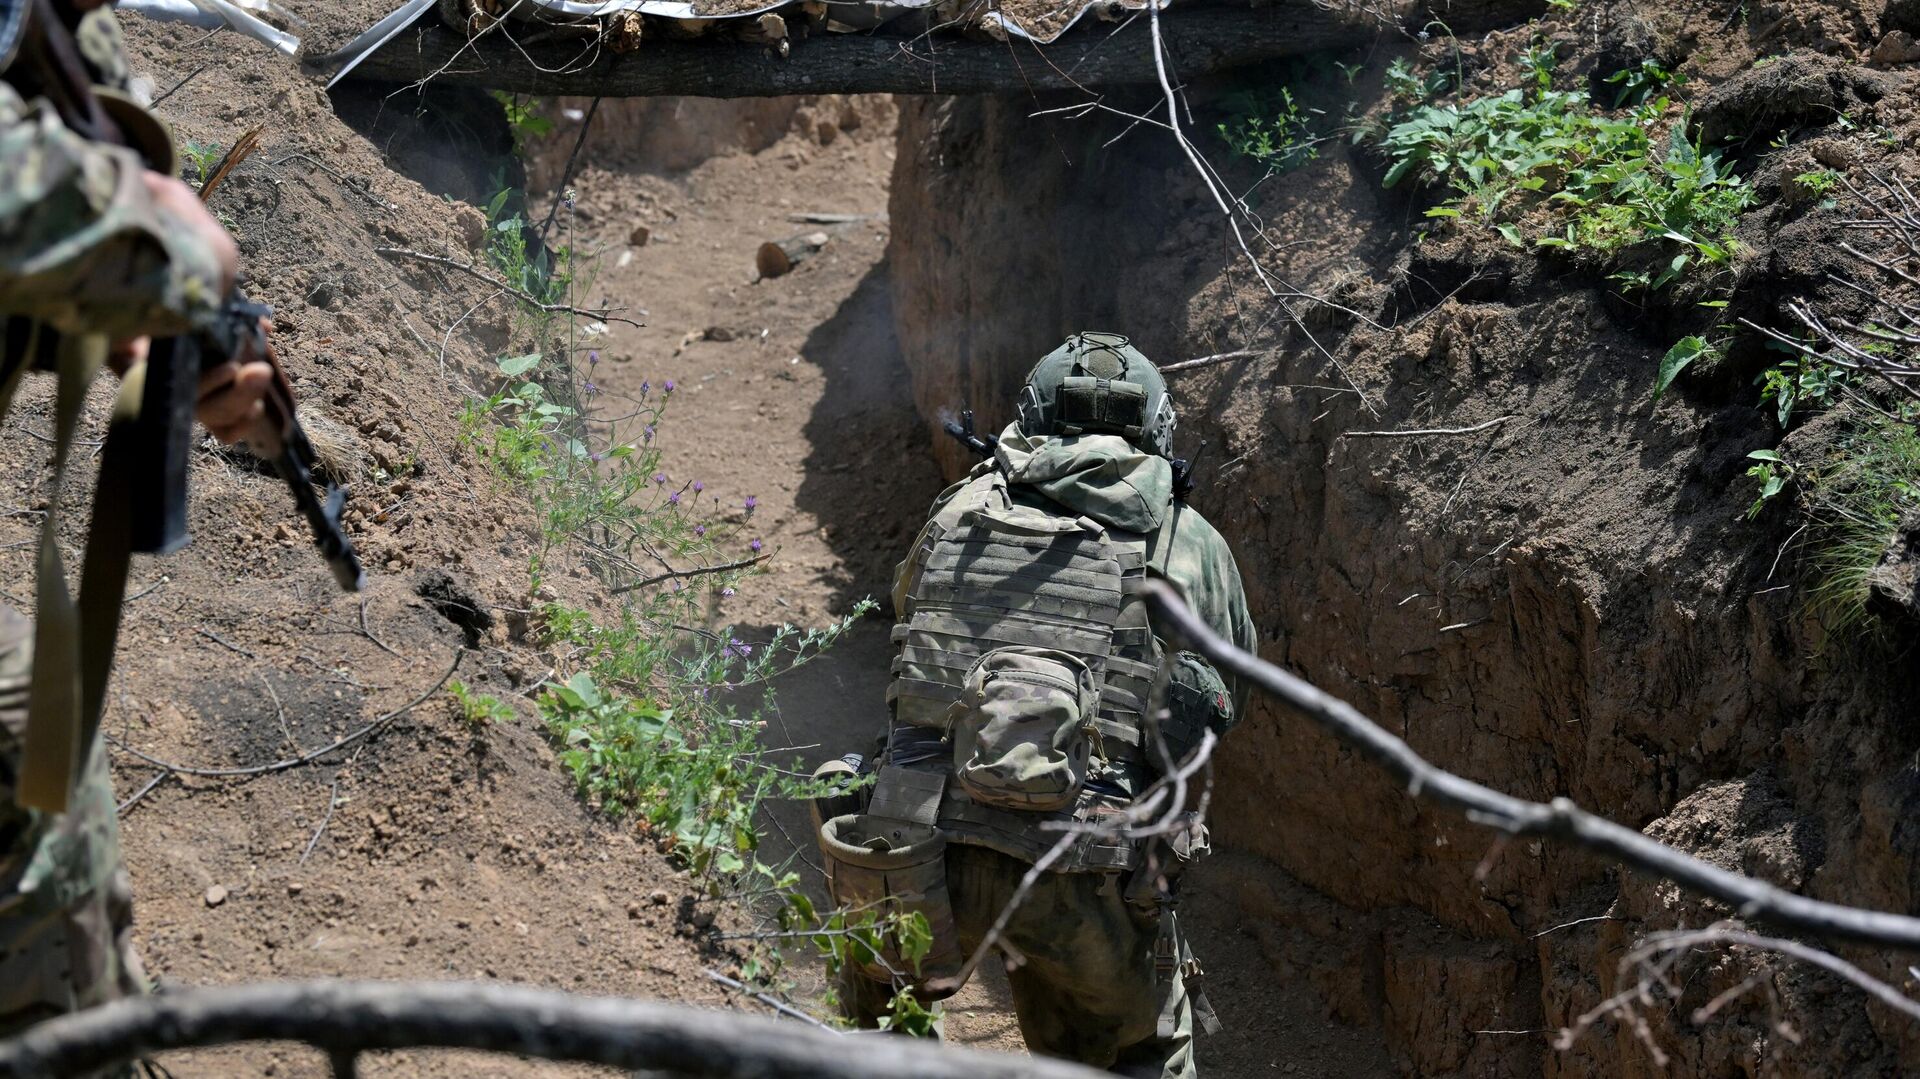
1024 693
100 249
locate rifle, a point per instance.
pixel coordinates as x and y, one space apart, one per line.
159 444
140 501
963 432
962 429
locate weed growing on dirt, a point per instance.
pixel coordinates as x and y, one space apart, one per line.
658 721
1853 501
203 156
1269 127
479 710
1544 167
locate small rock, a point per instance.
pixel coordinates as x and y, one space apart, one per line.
216 895
703 919
659 897
639 236
1898 47
826 131
295 888
719 333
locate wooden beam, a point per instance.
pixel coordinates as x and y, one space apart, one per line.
1092 55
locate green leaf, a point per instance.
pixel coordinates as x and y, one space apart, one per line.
1684 352
1511 233
1443 211
1766 455
515 366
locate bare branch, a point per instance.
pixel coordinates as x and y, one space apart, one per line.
347 1018
1427 431
697 571
1750 898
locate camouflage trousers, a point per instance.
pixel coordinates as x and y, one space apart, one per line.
66 910
1087 987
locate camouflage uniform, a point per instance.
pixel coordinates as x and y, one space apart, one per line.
1089 987
86 254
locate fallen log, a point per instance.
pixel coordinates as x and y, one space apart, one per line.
1199 40
347 1018
777 257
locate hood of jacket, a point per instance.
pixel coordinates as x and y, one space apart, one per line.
1104 477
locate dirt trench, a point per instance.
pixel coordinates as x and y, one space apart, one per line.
1568 602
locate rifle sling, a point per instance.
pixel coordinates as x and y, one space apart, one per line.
55 726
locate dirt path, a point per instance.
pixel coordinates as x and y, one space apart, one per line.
800 400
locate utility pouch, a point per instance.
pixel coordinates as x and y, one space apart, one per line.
886 866
1024 728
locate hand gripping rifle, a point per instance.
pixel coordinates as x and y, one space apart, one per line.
140 503
49 63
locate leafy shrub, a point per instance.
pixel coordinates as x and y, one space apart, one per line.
1544 166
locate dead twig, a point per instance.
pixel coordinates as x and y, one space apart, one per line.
604 315
1424 432
769 1000
223 642
1208 361
368 631
697 571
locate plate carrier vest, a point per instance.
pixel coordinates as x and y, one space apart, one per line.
1020 571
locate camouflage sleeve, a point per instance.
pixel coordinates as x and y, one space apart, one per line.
83 246
1199 563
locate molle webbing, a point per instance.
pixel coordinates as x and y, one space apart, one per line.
1022 834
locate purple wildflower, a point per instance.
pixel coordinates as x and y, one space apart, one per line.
590 388
674 498
646 387
660 477
698 487
699 530
599 457
593 355
726 591
738 647
648 433
754 546
667 386
751 503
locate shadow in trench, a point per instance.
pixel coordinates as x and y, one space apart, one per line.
869 473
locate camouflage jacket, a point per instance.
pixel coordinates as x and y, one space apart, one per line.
83 247
1108 479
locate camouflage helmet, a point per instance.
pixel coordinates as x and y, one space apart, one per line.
1099 383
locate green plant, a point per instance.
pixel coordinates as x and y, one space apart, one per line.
1636 84
479 710
1818 183
1349 72
1854 498
1270 127
1546 162
1404 83
203 156
1772 473
523 119
1678 358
